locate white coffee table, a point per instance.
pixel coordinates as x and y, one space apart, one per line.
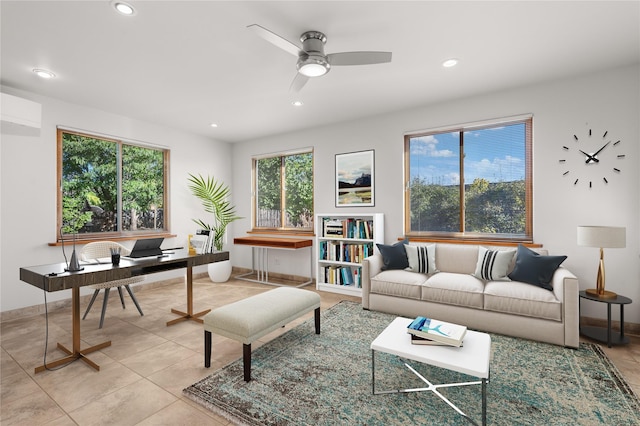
472 359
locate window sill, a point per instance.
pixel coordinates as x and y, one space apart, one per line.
504 243
117 238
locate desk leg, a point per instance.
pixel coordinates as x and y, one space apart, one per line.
260 267
189 315
76 353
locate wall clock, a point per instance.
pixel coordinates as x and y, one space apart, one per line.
597 153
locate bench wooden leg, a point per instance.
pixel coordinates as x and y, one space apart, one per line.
317 317
246 361
207 349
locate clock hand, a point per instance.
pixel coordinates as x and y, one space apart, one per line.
590 158
603 147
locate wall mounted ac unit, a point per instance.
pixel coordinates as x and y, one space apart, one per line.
19 115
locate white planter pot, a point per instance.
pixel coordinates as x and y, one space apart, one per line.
220 272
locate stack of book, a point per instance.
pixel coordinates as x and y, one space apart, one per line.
427 331
333 228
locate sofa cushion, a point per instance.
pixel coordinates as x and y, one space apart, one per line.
454 289
398 283
521 299
460 258
493 264
394 256
533 268
421 257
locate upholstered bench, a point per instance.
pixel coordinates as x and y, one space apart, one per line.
249 319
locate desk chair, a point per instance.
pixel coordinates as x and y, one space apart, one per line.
102 250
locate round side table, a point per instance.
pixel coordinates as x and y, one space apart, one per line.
606 335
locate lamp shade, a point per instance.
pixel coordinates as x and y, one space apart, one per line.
602 236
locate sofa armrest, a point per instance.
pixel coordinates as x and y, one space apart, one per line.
565 288
371 266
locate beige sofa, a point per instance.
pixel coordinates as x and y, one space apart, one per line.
454 294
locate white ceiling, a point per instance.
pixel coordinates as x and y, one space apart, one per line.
186 64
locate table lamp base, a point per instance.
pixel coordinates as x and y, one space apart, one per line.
606 294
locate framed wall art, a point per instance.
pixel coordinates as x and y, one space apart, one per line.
355 179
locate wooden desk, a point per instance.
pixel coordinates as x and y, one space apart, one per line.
260 266
54 278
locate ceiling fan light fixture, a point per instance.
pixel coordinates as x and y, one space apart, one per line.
313 66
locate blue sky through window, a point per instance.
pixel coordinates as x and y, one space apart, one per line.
496 154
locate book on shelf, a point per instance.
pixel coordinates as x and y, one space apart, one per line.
347 276
440 331
417 340
341 275
347 228
333 228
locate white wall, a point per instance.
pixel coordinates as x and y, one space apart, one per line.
607 101
28 188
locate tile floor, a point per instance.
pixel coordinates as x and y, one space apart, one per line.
148 364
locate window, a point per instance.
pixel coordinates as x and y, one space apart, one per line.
109 187
283 192
470 182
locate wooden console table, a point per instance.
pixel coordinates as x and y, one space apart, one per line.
54 278
260 265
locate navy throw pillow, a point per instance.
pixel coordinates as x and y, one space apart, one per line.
394 256
533 268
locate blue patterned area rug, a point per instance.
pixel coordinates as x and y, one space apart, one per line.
301 378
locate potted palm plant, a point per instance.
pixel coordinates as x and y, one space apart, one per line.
214 196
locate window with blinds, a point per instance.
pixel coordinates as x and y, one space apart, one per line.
470 182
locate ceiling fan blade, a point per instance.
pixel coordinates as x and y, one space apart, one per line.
275 39
298 82
359 58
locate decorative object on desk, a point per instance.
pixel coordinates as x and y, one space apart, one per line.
74 265
301 372
202 241
214 196
115 255
74 217
354 179
440 331
192 249
601 237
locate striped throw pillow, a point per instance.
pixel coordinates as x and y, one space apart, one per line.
422 258
493 265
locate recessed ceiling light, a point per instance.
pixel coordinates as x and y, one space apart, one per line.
297 103
213 125
43 73
123 8
450 63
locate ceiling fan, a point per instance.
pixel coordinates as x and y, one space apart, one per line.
312 61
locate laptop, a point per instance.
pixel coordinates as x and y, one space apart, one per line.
146 248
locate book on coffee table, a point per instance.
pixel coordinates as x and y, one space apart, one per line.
439 331
415 340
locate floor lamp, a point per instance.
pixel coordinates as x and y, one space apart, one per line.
601 237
